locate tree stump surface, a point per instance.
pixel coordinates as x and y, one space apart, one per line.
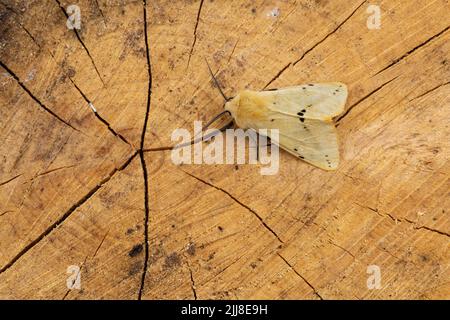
77 190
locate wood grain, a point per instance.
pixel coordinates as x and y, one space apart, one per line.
76 187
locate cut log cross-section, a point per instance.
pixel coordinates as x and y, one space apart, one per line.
85 186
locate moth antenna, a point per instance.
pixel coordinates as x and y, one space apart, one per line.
206 126
216 82
214 119
199 139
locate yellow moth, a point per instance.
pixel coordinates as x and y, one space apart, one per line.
302 114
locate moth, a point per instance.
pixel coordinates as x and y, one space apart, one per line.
302 114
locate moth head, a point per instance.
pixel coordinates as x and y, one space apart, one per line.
232 106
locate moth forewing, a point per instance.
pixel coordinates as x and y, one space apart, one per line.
314 101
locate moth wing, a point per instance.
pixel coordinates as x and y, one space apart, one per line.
320 101
313 141
303 116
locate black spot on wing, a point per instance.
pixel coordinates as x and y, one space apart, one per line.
301 115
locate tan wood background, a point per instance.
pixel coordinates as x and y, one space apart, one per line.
76 188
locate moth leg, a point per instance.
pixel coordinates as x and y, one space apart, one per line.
269 143
255 141
257 144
